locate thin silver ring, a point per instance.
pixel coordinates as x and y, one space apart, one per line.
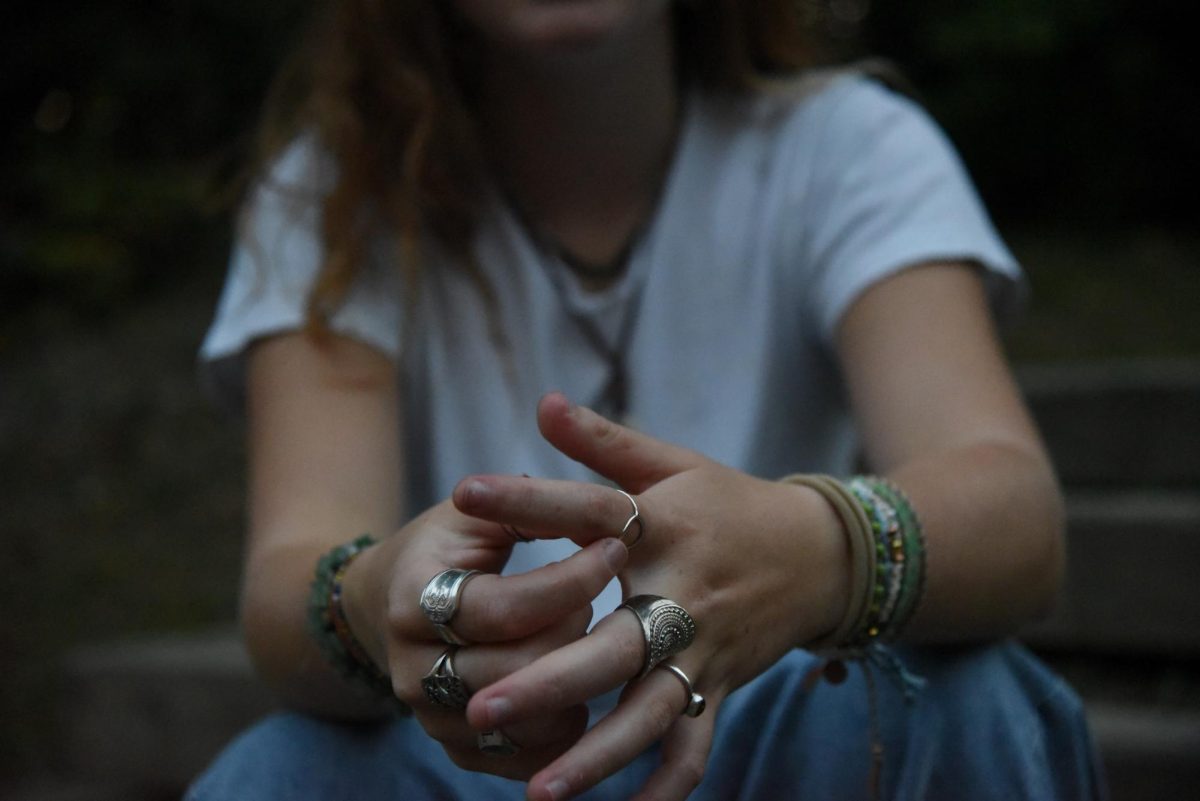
636 517
442 684
495 742
695 701
666 626
440 599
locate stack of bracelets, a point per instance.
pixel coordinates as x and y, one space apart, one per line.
887 559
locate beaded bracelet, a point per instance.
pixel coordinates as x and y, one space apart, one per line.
887 558
329 627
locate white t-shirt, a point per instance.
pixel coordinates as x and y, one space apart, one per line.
778 210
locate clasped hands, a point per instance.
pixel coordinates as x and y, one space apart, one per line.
760 567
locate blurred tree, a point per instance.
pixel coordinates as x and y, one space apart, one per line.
1067 112
122 114
120 117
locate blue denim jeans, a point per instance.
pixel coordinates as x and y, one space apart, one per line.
990 723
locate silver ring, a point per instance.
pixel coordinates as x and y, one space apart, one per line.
695 701
666 626
636 517
496 743
442 684
440 598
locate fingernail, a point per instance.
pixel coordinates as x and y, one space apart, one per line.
558 789
615 555
475 491
498 710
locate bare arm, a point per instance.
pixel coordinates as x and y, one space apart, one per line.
325 467
324 459
941 415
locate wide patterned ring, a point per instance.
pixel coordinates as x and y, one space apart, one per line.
666 626
440 599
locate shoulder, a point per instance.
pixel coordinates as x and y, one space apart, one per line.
817 123
300 174
839 109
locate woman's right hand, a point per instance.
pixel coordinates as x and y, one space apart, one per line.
510 621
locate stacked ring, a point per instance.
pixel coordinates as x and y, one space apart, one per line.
695 701
442 684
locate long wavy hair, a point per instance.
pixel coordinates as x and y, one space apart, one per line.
386 87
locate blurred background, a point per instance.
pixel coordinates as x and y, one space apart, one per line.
126 125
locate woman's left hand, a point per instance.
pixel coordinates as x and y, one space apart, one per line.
761 566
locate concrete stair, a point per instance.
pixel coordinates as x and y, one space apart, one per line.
145 717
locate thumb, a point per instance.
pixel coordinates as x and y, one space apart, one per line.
631 459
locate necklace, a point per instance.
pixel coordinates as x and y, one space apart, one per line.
613 399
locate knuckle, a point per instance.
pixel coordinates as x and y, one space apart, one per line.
553 691
407 690
604 432
397 619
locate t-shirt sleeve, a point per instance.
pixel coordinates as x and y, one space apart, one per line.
276 256
890 192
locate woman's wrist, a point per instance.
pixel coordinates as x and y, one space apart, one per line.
886 558
364 600
337 588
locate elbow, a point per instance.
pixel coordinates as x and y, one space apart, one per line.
1049 567
260 627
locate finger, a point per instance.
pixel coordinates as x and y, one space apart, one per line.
633 460
494 608
521 765
539 741
481 664
609 656
542 507
648 710
684 758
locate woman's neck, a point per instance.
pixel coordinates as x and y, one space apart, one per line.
581 141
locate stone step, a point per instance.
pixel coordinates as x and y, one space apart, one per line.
1119 424
1149 753
151 714
1130 586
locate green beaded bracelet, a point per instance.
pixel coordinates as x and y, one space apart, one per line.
328 625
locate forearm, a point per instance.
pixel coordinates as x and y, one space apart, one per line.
993 520
313 486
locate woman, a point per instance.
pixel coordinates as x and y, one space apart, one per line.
648 206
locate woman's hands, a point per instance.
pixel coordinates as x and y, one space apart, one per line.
510 622
761 566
